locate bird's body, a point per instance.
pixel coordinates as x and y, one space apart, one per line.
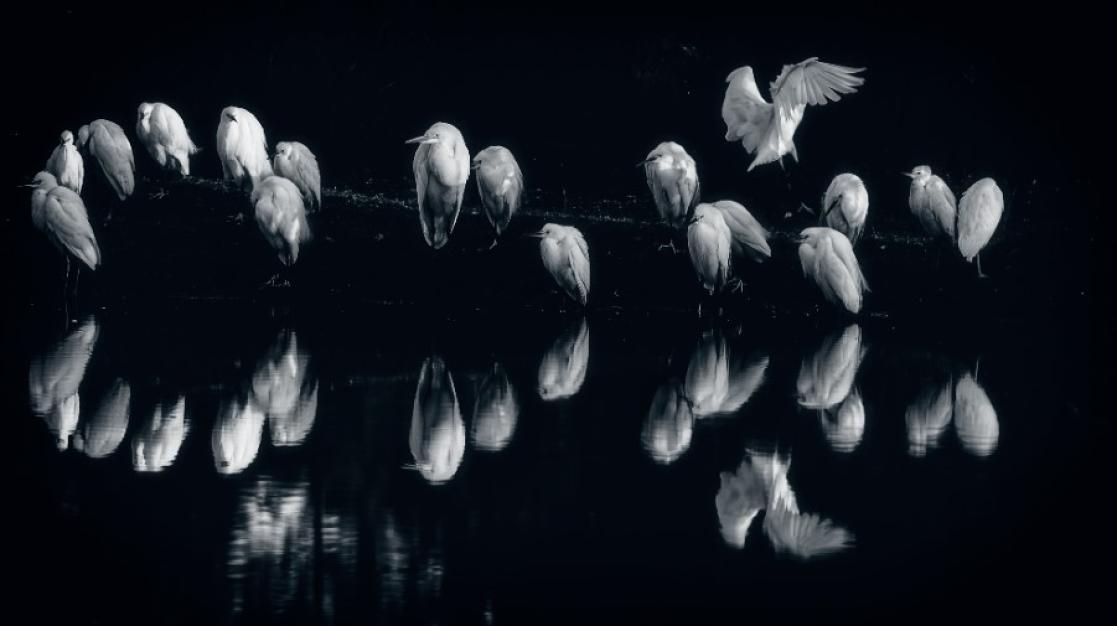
766 129
827 258
496 411
975 419
670 424
161 130
673 180
720 381
108 144
845 206
709 241
500 184
932 203
979 212
281 216
60 214
66 164
437 438
242 147
441 167
749 240
102 434
826 377
567 257
844 425
295 162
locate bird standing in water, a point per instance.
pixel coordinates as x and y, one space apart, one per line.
295 162
242 147
827 258
66 164
108 144
979 212
566 256
441 168
673 180
845 206
500 184
932 202
60 214
162 131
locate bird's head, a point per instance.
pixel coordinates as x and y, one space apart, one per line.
144 111
42 180
488 155
283 149
549 231
811 235
439 132
740 71
704 213
67 138
920 172
229 113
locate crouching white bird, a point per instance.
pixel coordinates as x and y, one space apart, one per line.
66 164
567 257
162 131
749 240
500 184
979 212
441 167
295 162
767 129
673 180
932 202
108 144
60 214
827 258
709 241
845 206
281 217
242 147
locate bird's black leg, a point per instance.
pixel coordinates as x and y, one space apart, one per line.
735 285
77 277
980 274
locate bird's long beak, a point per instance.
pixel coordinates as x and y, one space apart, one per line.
26 185
475 166
421 139
645 162
537 235
908 174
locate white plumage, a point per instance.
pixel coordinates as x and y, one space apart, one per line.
500 184
845 206
295 162
979 212
55 376
767 129
670 424
928 416
237 435
157 443
242 147
673 180
844 425
496 411
748 239
441 167
60 214
826 377
827 258
281 217
437 438
759 483
108 144
932 203
975 419
161 130
709 241
102 434
567 257
66 164
719 380
562 370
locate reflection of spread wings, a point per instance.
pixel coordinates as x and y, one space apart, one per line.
813 82
804 535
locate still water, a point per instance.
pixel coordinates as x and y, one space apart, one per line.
231 463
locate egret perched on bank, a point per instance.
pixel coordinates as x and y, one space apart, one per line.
845 205
673 180
979 212
162 131
60 214
500 184
766 129
295 162
567 257
827 258
748 239
108 144
932 202
709 241
242 147
281 217
66 164
441 167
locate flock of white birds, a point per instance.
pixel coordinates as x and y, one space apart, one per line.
286 186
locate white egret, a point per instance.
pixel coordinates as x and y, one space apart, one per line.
156 445
975 419
979 212
563 367
932 202
281 216
767 129
844 425
827 258
162 131
236 435
242 147
441 168
567 257
928 416
495 412
60 214
749 240
102 434
108 144
56 374
437 438
709 241
845 206
500 184
673 180
670 424
66 164
295 162
826 377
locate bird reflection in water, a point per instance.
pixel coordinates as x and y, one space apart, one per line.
928 416
437 437
720 380
284 390
826 383
496 411
102 434
844 425
563 368
55 376
237 434
975 419
156 444
963 401
669 425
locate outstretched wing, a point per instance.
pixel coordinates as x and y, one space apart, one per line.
746 114
814 82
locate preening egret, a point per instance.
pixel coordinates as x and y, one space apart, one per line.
827 258
928 416
844 425
295 162
281 217
975 419
845 205
237 434
441 167
563 367
102 434
500 184
932 203
60 214
979 212
709 241
66 164
162 131
495 412
157 443
670 423
242 147
826 376
108 144
567 257
748 239
767 129
437 438
55 376
673 180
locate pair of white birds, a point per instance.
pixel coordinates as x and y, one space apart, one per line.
968 224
